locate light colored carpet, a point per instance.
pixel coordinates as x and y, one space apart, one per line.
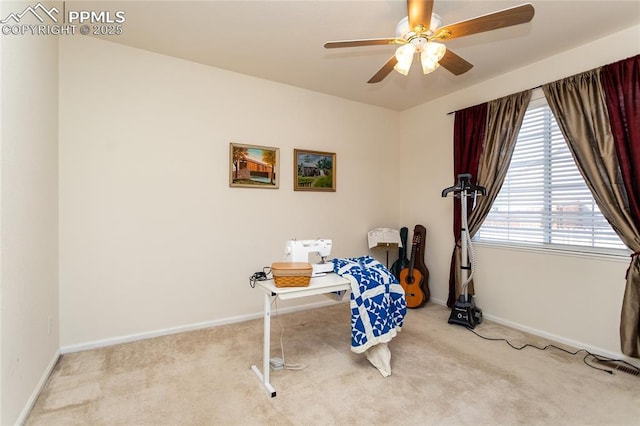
441 374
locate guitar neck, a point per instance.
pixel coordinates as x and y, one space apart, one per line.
414 249
412 262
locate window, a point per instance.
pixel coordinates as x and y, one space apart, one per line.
544 200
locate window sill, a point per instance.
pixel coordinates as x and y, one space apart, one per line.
610 255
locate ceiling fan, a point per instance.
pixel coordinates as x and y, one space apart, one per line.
420 32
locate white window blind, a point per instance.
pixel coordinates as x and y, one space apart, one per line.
544 199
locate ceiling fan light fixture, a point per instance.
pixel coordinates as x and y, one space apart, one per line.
431 55
428 64
404 55
435 50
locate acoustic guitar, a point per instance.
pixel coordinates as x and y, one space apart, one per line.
411 279
402 261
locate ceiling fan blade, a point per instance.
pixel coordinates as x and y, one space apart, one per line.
491 21
364 42
384 71
419 13
454 63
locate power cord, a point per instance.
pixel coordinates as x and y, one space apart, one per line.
259 276
276 363
632 369
280 363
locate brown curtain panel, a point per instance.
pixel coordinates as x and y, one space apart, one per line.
579 107
504 119
621 84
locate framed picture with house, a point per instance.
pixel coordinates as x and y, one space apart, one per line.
314 170
254 166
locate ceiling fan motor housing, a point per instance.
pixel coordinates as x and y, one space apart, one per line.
405 32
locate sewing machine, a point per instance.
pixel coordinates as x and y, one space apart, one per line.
300 251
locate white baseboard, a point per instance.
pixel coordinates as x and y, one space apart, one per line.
559 339
569 342
181 329
39 387
438 301
230 320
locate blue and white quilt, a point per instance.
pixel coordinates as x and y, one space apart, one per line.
378 305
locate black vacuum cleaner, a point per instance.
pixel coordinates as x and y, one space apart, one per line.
464 311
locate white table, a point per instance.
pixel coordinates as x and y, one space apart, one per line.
318 285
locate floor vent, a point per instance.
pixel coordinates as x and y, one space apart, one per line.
620 367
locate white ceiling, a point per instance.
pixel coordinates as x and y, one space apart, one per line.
283 40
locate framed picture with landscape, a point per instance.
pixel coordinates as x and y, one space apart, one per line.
254 166
314 170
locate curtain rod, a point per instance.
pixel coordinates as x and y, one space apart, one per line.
453 112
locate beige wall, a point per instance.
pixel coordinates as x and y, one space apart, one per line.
151 235
573 299
29 219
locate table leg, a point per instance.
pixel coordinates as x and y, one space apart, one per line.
266 355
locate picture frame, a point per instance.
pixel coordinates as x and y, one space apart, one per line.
254 166
314 170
